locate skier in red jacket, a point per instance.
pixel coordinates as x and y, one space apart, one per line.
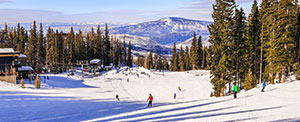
150 99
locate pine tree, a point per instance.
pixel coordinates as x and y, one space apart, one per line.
187 59
32 46
239 49
89 48
155 61
194 54
265 12
98 44
297 70
254 41
149 61
76 50
80 46
200 53
37 82
283 42
49 47
70 47
40 48
220 39
248 81
92 37
21 40
165 64
174 60
203 58
297 36
124 53
55 57
129 58
106 47
176 63
181 59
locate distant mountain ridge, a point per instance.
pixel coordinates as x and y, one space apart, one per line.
166 31
157 36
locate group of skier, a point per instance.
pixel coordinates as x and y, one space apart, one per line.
150 98
235 89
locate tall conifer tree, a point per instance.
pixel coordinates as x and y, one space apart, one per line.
220 37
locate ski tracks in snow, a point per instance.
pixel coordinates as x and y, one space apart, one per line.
121 90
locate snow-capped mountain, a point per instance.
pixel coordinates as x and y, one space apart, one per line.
135 40
166 31
142 45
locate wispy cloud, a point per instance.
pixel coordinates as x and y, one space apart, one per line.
5 1
194 9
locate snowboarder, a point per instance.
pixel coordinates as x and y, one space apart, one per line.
137 75
117 97
263 85
150 99
235 90
127 80
174 95
179 88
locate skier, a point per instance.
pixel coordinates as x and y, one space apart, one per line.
235 90
263 85
174 95
117 97
127 80
179 88
150 99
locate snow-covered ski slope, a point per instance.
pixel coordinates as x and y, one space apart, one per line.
68 99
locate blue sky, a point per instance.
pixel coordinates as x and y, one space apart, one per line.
112 11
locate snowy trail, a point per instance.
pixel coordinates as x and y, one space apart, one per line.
69 99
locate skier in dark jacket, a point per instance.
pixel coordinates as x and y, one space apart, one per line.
235 90
150 99
117 97
263 85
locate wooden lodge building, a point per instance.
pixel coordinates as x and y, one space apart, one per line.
10 62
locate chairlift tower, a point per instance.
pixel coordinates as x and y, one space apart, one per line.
82 63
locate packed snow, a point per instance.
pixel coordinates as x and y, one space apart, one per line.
68 98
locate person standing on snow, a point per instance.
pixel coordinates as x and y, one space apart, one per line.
117 97
263 85
150 99
235 90
174 95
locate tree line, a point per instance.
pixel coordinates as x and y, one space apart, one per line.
263 47
59 51
189 59
184 60
152 61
